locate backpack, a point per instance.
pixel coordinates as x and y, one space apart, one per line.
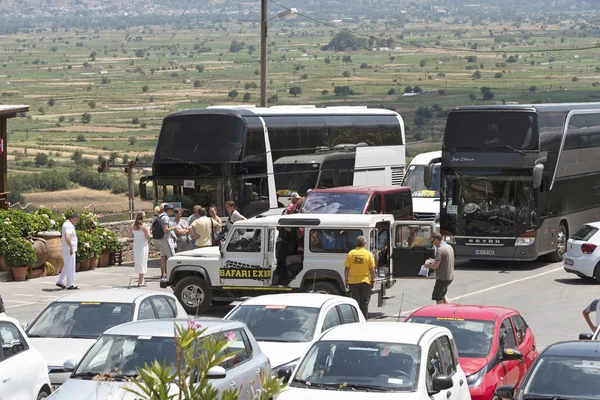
157 229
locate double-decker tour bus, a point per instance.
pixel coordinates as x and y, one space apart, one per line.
247 154
516 180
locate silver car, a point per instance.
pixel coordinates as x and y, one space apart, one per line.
127 347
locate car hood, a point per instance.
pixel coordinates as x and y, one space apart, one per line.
282 353
87 389
292 393
472 365
56 350
212 251
426 205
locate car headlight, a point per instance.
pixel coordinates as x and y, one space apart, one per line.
475 379
524 241
290 365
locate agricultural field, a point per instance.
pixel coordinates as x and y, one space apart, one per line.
101 94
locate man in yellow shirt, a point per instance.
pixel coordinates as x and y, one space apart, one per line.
360 274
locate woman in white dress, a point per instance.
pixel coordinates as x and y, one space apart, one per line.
140 232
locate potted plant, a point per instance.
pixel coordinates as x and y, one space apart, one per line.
7 232
87 221
54 219
95 250
19 256
103 237
84 250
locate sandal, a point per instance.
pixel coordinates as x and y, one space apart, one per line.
60 285
142 284
72 288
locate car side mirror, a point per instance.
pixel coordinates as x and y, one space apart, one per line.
505 392
69 365
284 374
440 383
538 171
428 175
511 355
586 336
24 325
216 372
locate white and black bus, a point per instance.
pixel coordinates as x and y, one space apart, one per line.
248 154
517 180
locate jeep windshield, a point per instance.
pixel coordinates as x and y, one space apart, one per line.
335 203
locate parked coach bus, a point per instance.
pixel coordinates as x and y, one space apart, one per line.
516 180
247 154
426 200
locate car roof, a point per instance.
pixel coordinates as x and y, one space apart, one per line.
363 189
424 158
466 311
108 295
4 317
384 332
325 220
312 300
576 348
165 327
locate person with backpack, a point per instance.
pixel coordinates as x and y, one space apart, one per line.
163 238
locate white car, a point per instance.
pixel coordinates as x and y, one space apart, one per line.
286 325
375 360
70 325
120 351
23 370
582 256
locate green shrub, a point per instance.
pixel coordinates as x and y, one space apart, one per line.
18 252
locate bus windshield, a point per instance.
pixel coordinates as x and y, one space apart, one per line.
296 177
489 202
501 130
200 139
415 180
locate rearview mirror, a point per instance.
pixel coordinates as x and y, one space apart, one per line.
69 365
538 172
505 392
284 374
216 372
511 355
24 325
427 175
586 336
441 383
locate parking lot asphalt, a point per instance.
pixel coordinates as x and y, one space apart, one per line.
550 299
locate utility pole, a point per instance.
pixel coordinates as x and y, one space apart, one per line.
263 53
128 169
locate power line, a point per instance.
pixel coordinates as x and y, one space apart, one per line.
433 47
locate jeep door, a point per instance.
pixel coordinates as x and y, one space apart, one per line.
410 247
244 262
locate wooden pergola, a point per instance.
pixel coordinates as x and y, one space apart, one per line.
6 112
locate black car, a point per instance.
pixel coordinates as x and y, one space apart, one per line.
564 370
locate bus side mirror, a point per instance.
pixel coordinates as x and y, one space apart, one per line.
538 171
427 175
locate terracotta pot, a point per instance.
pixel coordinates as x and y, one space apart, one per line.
42 251
19 273
111 259
94 263
54 242
85 265
103 261
77 266
3 266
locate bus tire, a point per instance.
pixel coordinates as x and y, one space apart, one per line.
194 294
324 287
561 244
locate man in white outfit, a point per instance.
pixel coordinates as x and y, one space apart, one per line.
69 248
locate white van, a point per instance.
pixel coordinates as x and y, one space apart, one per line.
426 201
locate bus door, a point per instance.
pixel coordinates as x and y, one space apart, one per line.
411 246
244 263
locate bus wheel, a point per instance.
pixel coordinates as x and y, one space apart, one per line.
561 244
324 287
194 294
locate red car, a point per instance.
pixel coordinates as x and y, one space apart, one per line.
495 345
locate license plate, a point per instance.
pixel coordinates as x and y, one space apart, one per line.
485 252
568 261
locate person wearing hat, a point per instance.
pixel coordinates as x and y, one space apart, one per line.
293 207
166 245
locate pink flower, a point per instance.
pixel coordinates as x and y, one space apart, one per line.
193 324
230 336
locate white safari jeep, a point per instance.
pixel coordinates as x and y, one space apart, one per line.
282 254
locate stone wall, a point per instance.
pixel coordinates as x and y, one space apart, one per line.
122 229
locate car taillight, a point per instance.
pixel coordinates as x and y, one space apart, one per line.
588 248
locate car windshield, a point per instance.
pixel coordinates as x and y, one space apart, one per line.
415 179
335 203
473 338
571 377
120 355
79 319
359 365
273 323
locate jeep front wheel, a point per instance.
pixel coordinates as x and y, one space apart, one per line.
194 294
324 287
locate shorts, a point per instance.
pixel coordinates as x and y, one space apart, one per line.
166 247
440 289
